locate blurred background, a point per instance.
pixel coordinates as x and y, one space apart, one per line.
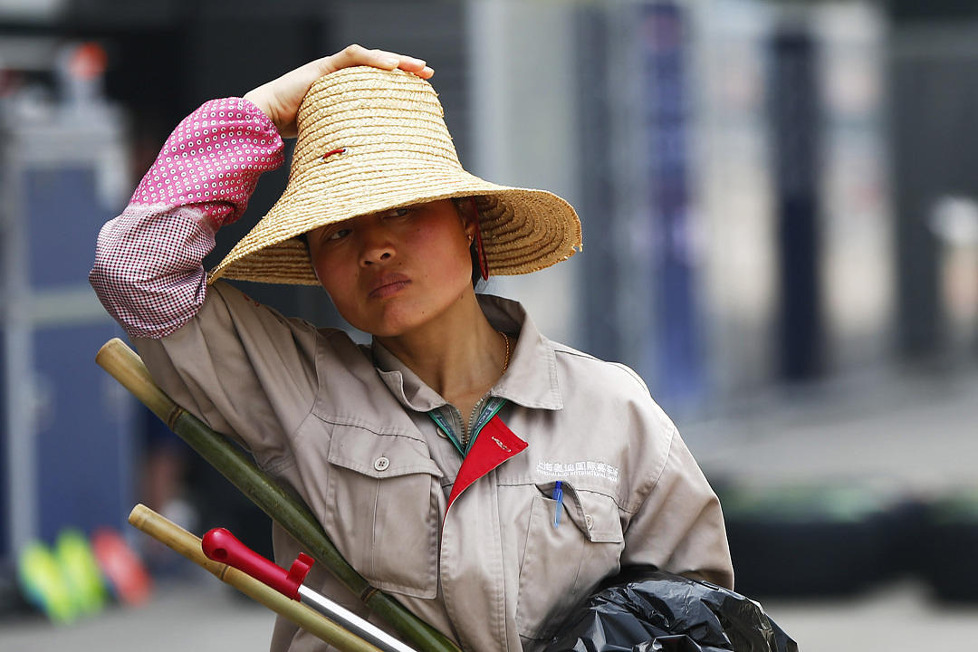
780 209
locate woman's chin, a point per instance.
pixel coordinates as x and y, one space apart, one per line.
404 315
388 326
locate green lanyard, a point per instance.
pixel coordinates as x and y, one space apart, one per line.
492 406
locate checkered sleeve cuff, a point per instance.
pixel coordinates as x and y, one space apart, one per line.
148 272
148 269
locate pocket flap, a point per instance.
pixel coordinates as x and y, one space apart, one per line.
594 514
379 456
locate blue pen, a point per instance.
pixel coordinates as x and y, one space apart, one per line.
558 496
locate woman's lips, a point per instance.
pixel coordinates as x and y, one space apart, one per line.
387 285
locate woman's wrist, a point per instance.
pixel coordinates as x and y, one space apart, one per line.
259 101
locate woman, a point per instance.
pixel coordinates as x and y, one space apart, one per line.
485 476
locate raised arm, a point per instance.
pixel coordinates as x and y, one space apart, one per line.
148 269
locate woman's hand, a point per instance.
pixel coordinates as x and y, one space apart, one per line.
279 99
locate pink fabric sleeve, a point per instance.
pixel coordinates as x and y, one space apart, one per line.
148 269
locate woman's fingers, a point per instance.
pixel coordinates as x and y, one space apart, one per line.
357 55
279 99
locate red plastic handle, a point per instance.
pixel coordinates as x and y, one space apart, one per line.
222 546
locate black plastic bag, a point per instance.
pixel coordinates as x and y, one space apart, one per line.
644 610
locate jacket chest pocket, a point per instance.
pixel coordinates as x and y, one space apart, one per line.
383 509
562 565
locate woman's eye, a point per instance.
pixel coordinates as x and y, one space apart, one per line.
338 234
400 212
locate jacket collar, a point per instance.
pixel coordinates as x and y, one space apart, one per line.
530 380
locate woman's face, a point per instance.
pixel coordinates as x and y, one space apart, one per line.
388 273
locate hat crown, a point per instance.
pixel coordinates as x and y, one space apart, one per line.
373 119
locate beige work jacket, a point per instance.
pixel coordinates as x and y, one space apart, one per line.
346 426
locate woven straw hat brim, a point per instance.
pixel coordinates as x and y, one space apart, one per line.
370 141
523 231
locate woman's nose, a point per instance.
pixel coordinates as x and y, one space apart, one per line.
376 245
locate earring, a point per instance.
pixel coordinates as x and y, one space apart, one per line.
480 250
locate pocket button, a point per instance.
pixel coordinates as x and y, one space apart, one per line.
382 463
588 521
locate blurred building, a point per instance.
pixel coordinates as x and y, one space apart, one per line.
732 169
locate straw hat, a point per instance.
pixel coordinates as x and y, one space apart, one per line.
371 140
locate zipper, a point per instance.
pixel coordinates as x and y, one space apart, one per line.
480 416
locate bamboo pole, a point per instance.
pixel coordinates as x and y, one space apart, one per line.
188 545
284 508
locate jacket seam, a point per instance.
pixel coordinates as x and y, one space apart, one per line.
658 474
324 336
380 431
628 371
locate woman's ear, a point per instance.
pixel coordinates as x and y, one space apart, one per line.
466 213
